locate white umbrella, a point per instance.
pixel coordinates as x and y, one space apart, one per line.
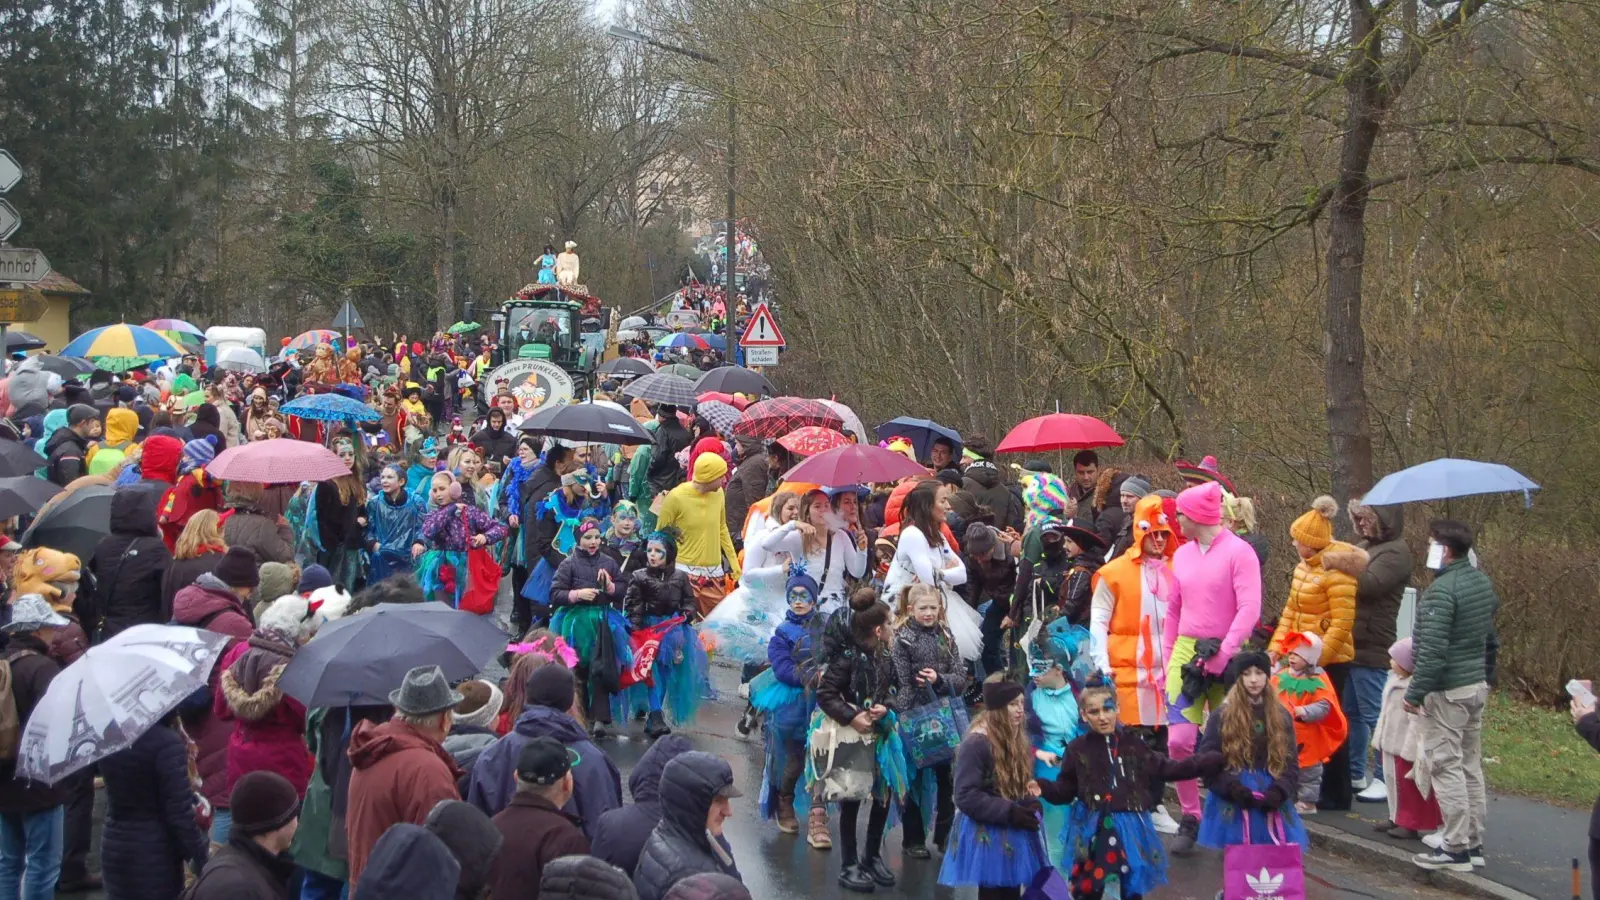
632 322
114 694
241 359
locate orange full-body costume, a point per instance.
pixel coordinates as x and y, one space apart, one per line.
1128 616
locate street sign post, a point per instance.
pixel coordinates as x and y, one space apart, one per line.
762 331
761 356
10 171
20 265
10 220
25 305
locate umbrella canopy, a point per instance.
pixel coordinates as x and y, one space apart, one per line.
716 341
854 464
464 327
627 367
68 367
123 363
24 494
241 359
633 322
662 387
852 422
278 461
682 370
811 440
73 523
735 380
682 339
739 403
330 408
1059 431
922 433
308 339
774 418
122 340
588 423
18 341
177 325
360 659
112 695
17 458
1442 479
721 416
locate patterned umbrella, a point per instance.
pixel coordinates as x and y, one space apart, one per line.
177 325
682 370
330 408
464 327
811 440
661 387
682 339
721 416
736 380
278 461
123 363
122 340
774 418
307 340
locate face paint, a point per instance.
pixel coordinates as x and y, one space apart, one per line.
590 540
625 527
656 555
800 600
1101 714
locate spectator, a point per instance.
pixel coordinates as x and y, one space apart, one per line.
31 813
1379 590
536 828
982 480
68 448
695 790
122 426
269 734
412 862
1583 715
255 863
150 829
748 482
401 769
245 524
622 832
1085 474
585 878
1449 688
473 841
217 601
129 564
709 886
198 551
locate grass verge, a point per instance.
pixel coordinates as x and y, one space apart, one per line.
1535 752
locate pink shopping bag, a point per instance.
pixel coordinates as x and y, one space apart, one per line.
1263 871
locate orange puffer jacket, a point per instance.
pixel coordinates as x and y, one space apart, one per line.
1322 600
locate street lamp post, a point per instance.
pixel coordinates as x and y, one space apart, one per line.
628 34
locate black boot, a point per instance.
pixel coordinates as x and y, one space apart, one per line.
655 725
747 722
875 869
853 878
1188 830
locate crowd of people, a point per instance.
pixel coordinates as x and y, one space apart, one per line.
1009 664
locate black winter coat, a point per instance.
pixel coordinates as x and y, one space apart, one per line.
988 489
538 533
916 648
129 564
659 592
65 454
32 670
336 521
854 680
622 832
664 472
150 828
680 846
582 570
243 870
182 573
499 445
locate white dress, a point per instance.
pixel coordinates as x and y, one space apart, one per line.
916 562
744 621
828 572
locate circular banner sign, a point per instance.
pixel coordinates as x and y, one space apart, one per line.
535 383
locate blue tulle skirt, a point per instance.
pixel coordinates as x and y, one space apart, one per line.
991 855
429 574
744 621
1132 837
580 627
1221 825
681 675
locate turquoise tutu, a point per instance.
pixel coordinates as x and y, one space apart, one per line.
1137 845
981 855
682 672
430 575
768 694
1221 825
580 627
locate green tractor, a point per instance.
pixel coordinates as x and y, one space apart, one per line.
546 352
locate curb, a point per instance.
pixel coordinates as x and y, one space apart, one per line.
1398 862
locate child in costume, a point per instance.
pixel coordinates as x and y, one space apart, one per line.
1320 726
1053 720
449 531
680 675
996 846
1413 807
586 593
394 525
625 543
1260 771
745 619
927 666
569 512
1106 774
786 697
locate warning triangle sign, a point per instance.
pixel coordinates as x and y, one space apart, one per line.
762 330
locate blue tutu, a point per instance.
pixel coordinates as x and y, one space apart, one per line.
1134 840
991 855
682 673
430 575
1222 826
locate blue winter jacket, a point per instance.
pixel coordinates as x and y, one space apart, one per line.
793 663
597 783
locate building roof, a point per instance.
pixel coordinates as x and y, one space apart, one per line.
57 283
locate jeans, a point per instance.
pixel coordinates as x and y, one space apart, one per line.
221 825
317 886
1364 692
30 854
1453 739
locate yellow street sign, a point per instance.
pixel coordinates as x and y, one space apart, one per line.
24 305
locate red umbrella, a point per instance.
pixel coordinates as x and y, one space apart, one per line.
278 461
776 417
811 440
1059 431
854 464
737 402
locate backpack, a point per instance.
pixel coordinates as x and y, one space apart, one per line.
10 718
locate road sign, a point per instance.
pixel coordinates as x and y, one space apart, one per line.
761 356
10 171
22 266
26 305
348 318
762 330
10 221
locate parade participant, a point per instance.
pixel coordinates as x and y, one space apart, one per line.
1053 721
681 675
567 265
394 526
927 667
1110 841
321 373
784 507
452 528
697 510
1215 608
495 439
1061 581
540 558
547 265
585 594
996 846
1261 771
818 536
785 695
747 484
338 510
1320 726
350 366
923 555
623 540
256 414
1413 806
580 497
464 460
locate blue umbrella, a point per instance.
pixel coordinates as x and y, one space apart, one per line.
921 433
682 339
330 408
1442 479
715 341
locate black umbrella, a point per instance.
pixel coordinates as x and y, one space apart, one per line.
68 367
19 341
17 458
627 367
74 523
589 423
735 380
25 494
360 659
662 387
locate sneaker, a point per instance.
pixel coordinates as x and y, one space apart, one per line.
878 872
1433 841
1476 855
597 731
1385 825
1305 808
1360 784
744 691
1376 792
1403 834
915 851
1163 820
1188 830
851 878
1443 860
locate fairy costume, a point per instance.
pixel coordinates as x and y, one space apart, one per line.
447 532
547 268
627 549
593 626
786 696
996 841
1053 720
1223 821
567 514
744 622
680 676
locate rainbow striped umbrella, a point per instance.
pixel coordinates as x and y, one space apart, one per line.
315 336
122 340
177 325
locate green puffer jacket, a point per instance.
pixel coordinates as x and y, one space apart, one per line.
1454 620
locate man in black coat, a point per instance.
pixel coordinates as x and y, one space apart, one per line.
695 790
31 813
129 564
622 832
539 530
255 863
68 449
665 473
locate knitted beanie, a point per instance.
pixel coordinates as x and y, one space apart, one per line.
1315 527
